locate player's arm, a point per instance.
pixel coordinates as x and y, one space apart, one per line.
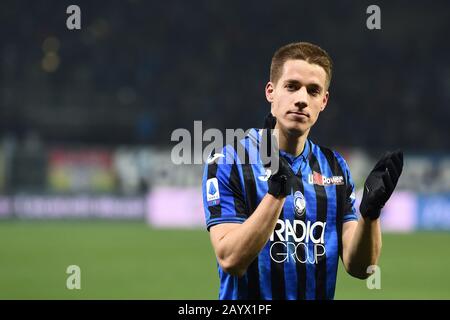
361 246
237 245
361 241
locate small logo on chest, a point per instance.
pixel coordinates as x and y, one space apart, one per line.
299 204
321 180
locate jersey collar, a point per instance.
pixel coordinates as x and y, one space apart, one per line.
256 133
302 156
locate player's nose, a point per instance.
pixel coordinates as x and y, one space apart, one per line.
301 97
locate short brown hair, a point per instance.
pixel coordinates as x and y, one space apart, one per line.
300 51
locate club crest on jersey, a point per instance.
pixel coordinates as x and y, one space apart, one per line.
321 180
212 194
299 204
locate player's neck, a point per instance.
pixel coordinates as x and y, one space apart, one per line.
292 144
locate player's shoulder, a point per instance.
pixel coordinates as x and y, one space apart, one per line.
234 151
332 155
328 152
220 156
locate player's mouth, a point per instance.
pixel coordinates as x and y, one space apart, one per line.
298 115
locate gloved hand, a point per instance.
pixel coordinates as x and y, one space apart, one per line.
380 184
278 181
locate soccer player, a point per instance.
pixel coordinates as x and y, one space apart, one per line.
279 234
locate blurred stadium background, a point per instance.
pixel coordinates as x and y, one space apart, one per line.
86 118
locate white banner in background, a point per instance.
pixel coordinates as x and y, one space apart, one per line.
400 212
175 207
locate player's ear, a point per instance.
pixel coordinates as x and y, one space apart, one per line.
325 100
269 91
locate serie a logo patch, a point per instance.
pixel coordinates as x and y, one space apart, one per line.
212 192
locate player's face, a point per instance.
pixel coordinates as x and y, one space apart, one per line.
298 97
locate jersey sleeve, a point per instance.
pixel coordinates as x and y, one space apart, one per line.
222 189
349 213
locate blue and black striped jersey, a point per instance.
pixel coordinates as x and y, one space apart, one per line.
300 260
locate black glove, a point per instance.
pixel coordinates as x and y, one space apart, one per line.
278 181
380 184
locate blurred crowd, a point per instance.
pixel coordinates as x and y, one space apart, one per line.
137 70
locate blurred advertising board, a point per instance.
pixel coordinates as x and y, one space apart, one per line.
83 170
400 212
2 170
5 207
175 207
404 212
78 207
434 212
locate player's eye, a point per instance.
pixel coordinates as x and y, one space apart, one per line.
290 87
314 92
